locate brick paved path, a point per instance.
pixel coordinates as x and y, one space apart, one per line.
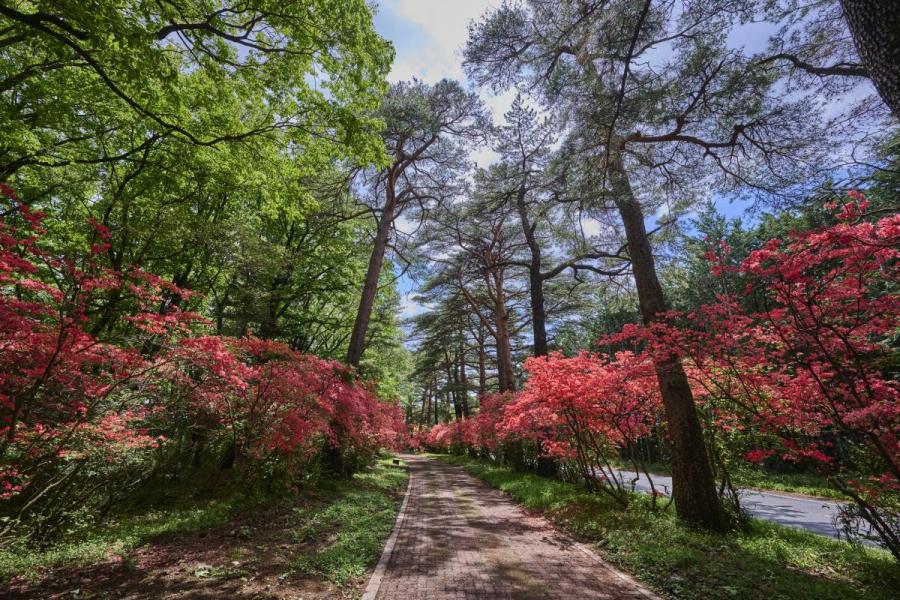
460 539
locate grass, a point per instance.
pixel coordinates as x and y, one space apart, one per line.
355 523
344 522
796 483
122 536
769 561
808 484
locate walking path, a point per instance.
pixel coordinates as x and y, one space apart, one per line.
457 538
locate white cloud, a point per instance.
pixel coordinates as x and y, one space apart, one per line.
445 25
409 308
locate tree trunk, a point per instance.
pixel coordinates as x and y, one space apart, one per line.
463 382
535 281
504 349
482 362
429 396
693 485
423 418
370 287
453 384
875 26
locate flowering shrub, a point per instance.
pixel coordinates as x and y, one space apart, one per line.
811 377
585 408
84 418
580 409
481 435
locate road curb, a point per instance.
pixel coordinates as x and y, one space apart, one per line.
381 567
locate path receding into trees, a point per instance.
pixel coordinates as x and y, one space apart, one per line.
457 538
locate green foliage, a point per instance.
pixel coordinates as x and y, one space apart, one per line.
216 141
767 561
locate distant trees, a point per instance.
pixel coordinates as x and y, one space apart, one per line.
479 241
523 179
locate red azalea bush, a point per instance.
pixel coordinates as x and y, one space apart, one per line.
99 395
585 409
581 409
454 436
812 377
280 406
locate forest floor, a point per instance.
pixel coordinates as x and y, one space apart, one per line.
323 544
458 538
765 561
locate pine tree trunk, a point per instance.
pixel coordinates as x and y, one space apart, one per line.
370 287
463 382
482 362
453 384
693 485
504 350
875 26
535 281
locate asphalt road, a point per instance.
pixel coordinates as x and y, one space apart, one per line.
813 514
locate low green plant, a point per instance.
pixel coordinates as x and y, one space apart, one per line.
354 524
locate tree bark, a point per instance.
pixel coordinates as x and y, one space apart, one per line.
463 382
875 27
482 361
453 384
370 287
422 416
429 396
693 484
504 349
535 280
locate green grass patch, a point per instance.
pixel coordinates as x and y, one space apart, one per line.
769 561
796 483
354 524
120 536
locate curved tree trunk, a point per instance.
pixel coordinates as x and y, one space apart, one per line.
693 484
875 26
370 287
